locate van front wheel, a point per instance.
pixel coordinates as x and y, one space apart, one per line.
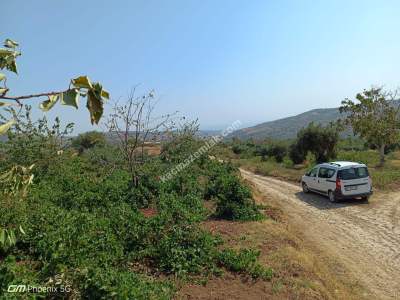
305 187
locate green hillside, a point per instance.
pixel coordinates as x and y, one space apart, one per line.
287 128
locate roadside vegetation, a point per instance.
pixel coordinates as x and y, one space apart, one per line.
91 214
82 220
349 149
368 132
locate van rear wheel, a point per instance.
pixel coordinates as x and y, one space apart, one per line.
365 199
332 197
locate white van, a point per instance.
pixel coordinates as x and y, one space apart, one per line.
339 180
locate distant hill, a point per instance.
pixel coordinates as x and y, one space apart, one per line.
287 128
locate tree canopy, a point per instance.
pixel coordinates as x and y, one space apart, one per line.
374 117
320 141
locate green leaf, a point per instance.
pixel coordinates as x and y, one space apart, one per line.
3 91
10 43
2 76
6 52
8 61
95 106
48 104
2 236
11 237
70 97
98 89
82 82
4 104
6 126
105 94
21 229
12 66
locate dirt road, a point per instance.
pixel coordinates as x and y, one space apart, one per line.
364 236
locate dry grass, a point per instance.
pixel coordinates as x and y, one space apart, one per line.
271 168
152 149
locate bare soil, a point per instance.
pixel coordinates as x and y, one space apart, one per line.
365 237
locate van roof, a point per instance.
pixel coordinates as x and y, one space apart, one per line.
340 164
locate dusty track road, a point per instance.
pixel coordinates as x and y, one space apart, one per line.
364 236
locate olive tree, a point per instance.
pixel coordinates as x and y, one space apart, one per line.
317 139
374 117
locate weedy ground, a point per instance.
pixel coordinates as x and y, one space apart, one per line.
301 271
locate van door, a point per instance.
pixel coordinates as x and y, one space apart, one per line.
311 179
355 180
325 182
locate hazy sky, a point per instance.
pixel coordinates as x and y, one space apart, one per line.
220 61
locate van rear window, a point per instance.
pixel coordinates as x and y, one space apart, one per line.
353 173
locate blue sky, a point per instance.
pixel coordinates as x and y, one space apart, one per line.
218 61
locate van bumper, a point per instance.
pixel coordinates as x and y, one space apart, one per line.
339 195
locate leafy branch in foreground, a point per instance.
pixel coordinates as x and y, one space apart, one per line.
81 86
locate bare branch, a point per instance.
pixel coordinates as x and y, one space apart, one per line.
134 125
17 98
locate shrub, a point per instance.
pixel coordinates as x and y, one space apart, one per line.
104 157
88 140
184 183
296 154
243 149
14 272
129 225
68 238
112 283
185 250
234 200
277 151
263 152
245 261
174 209
238 149
33 142
74 184
180 147
144 193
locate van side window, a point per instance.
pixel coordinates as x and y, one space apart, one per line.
322 172
313 172
331 172
326 173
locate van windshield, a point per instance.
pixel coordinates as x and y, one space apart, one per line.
353 173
